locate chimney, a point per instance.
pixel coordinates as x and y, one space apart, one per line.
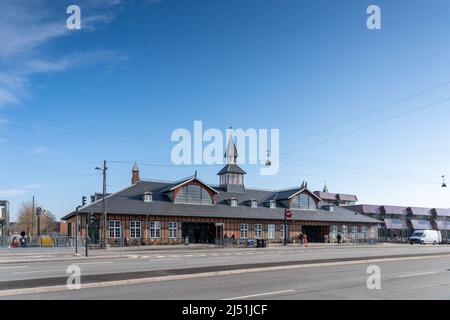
135 176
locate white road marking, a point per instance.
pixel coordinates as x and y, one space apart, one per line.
38 271
417 274
95 262
188 255
259 295
175 256
161 256
18 267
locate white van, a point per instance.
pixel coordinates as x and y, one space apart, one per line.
426 236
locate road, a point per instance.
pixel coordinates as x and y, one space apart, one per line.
424 279
175 259
427 278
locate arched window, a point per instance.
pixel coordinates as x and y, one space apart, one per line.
304 201
193 194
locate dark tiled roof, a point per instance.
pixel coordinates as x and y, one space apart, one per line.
327 196
418 211
442 212
129 201
365 208
394 210
231 168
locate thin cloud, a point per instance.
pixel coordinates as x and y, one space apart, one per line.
39 150
12 192
28 26
33 186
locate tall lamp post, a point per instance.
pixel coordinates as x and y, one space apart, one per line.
104 169
2 226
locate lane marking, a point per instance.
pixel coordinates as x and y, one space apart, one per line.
417 274
38 271
161 256
95 262
18 267
259 295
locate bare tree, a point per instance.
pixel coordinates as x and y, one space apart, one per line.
27 220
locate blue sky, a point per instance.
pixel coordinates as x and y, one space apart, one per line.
138 70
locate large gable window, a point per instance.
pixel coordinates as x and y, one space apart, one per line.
193 194
303 201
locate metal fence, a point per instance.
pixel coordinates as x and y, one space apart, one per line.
44 241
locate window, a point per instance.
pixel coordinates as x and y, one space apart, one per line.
173 230
135 229
334 232
234 202
364 232
193 194
273 204
258 231
354 232
254 204
344 232
114 229
282 231
148 197
373 232
271 231
155 229
244 231
303 201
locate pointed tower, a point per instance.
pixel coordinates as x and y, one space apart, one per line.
232 176
325 188
135 174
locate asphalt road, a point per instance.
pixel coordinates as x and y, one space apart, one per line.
169 259
421 279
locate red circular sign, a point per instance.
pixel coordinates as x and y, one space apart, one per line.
288 214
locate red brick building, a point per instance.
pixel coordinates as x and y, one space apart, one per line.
155 212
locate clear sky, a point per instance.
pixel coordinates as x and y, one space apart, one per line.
138 70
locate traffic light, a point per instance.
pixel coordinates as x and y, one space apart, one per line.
90 218
83 201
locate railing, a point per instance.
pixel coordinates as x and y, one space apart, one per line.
44 241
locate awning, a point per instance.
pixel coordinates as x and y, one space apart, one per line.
443 225
421 224
396 224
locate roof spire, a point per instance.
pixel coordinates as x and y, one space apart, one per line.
303 185
135 174
231 153
325 188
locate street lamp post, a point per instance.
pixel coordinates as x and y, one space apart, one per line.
77 227
104 169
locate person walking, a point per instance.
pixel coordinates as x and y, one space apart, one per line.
305 239
339 239
301 238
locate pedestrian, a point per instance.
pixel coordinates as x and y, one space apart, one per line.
305 239
301 238
339 238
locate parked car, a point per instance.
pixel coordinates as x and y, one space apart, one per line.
426 236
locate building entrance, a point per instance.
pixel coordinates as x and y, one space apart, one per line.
316 233
199 232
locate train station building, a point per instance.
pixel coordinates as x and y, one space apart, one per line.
191 210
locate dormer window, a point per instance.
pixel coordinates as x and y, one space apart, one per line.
234 202
254 204
148 197
272 204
